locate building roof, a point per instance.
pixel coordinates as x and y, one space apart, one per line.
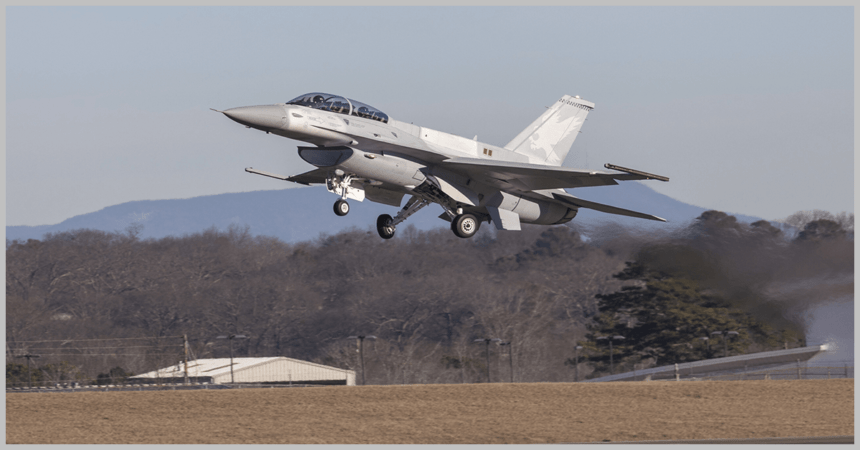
221 366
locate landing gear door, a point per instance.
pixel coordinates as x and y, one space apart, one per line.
345 190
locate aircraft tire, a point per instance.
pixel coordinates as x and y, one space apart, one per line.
384 227
465 225
341 207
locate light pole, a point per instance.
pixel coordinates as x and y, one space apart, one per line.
361 339
231 337
29 377
576 362
510 358
487 341
725 334
611 367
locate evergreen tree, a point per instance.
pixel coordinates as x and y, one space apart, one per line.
663 319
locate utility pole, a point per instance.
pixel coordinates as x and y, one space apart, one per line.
361 339
29 376
185 341
231 337
487 341
611 366
576 362
510 357
707 346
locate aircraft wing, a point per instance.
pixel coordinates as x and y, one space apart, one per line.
580 203
316 176
532 177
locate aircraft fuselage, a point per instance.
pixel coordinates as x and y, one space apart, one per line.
361 153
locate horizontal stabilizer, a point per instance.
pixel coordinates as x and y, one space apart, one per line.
580 203
532 177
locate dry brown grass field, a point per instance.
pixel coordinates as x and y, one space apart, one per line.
438 414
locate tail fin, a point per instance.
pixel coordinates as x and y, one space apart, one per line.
549 138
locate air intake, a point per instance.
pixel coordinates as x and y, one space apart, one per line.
325 157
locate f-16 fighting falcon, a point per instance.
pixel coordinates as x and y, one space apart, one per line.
360 152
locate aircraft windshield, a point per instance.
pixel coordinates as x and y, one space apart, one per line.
338 104
368 112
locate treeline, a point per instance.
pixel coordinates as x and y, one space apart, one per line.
78 298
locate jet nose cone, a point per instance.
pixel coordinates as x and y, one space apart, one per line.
261 117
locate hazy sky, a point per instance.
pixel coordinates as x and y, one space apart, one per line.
748 109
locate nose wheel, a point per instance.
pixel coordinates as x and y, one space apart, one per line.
341 207
465 225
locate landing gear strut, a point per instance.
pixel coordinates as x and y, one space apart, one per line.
340 183
465 225
385 225
341 207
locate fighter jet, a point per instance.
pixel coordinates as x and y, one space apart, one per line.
361 153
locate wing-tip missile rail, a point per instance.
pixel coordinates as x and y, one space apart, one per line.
648 176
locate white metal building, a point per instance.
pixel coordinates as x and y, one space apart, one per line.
276 369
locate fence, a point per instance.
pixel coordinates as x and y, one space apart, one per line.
76 387
780 364
797 373
802 371
48 363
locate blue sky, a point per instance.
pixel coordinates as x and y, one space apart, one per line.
748 109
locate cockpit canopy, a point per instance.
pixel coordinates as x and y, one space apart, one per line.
340 105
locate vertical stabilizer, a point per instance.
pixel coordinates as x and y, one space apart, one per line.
548 139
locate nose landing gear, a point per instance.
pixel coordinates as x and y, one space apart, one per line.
341 207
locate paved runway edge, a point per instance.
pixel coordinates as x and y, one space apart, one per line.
773 440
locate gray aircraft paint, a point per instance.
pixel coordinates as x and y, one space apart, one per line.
549 138
363 153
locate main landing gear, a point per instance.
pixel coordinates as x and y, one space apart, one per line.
386 225
465 225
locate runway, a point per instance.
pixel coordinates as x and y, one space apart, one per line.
776 440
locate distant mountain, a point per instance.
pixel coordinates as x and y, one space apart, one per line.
300 214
